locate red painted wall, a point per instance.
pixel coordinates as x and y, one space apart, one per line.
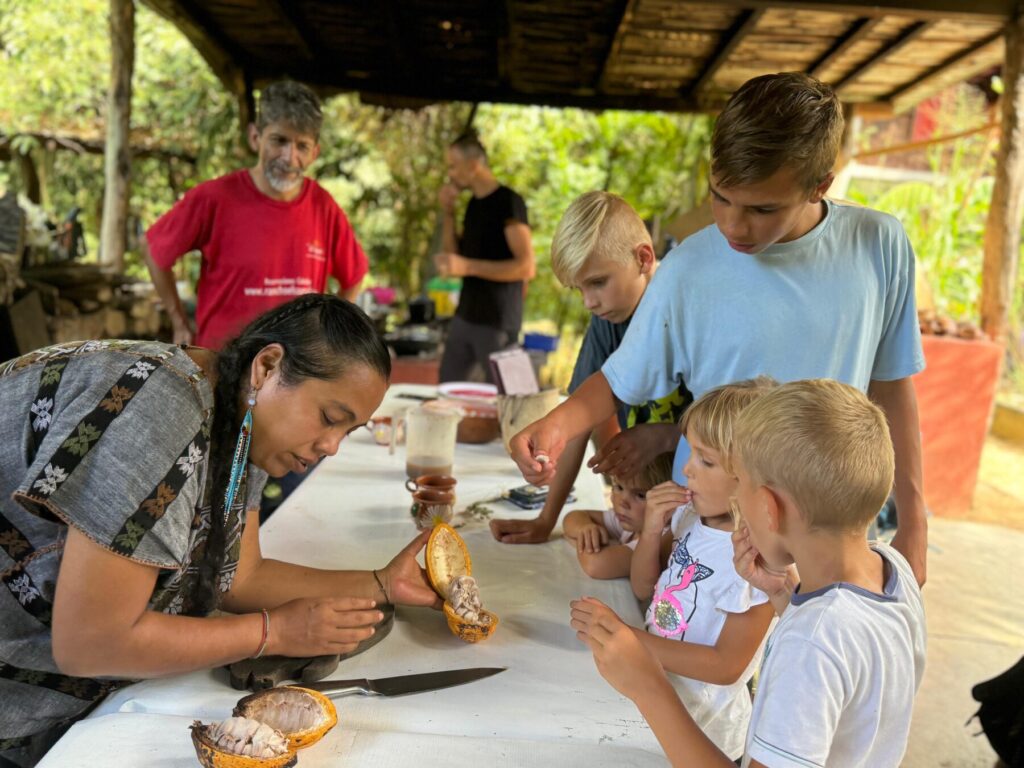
954 397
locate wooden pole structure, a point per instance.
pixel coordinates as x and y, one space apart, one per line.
118 159
844 164
851 132
246 111
30 178
1003 229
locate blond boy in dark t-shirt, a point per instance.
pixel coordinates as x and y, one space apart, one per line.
602 249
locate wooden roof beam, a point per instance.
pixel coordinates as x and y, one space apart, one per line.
860 30
429 92
623 13
909 35
505 46
399 46
728 42
925 10
94 146
224 57
913 92
295 25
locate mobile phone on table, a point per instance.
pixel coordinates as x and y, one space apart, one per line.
532 496
528 496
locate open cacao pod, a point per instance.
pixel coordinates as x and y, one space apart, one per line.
450 569
266 730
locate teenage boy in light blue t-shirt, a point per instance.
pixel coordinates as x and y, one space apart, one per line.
785 283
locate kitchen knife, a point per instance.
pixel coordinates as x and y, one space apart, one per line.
403 684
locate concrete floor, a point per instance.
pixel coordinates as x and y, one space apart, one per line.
999 495
974 601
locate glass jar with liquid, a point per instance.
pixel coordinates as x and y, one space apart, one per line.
430 441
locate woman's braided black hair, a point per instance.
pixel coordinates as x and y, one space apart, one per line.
322 337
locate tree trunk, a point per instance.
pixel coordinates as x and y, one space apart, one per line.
117 159
29 177
1002 231
247 113
46 156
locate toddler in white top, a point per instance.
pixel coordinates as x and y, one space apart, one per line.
605 540
696 595
706 626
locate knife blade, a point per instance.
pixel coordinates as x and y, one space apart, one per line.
402 684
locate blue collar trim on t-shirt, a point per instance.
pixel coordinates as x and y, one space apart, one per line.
888 590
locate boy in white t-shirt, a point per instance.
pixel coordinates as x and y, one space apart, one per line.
605 540
814 462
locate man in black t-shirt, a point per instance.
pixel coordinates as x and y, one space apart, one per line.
493 256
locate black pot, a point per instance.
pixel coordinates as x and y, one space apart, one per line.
411 346
421 310
412 340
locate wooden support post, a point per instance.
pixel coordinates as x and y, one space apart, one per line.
30 184
843 167
851 132
45 154
246 112
1003 229
471 117
118 159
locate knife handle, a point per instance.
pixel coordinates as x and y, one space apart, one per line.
336 688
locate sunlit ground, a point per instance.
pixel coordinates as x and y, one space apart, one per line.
999 495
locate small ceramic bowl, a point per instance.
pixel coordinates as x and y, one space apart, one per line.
478 428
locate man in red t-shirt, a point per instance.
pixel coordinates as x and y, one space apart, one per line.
266 233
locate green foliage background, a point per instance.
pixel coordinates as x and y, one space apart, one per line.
945 218
385 166
55 62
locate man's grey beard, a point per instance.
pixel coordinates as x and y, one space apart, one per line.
279 183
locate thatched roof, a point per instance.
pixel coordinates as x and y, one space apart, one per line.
634 54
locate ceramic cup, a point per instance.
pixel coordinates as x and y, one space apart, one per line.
430 507
381 427
445 483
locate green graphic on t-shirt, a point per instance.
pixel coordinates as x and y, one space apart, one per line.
668 409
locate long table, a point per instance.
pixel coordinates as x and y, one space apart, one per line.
549 707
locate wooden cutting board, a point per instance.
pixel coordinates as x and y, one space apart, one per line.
269 671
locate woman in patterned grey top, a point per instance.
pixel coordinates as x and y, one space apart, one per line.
114 542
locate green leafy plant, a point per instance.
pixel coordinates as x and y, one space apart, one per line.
945 219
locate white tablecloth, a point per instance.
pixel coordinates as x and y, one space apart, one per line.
550 705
